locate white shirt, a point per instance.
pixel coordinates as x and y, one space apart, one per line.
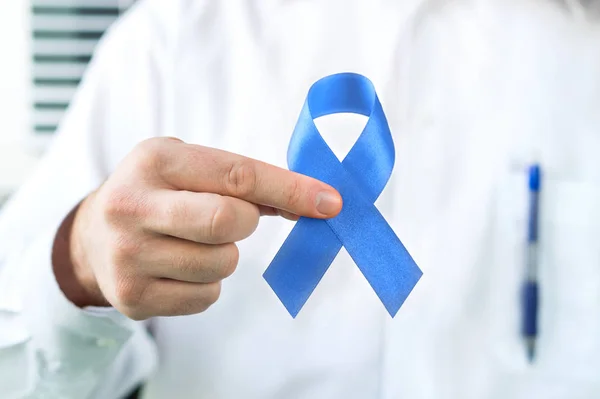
472 91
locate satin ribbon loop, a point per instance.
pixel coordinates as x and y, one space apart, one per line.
360 178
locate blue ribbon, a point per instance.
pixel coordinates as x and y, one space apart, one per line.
313 244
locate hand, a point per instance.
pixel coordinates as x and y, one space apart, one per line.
158 236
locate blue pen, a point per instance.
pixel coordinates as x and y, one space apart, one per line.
530 287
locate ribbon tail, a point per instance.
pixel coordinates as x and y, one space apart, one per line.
301 262
375 248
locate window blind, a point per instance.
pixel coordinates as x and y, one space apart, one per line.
64 34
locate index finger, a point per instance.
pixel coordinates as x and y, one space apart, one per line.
202 169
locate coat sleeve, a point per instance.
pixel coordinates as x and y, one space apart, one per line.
48 347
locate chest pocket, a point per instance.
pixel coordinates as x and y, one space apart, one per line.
568 271
570 277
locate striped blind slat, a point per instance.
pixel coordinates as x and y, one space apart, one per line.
49 71
70 22
80 3
64 34
50 95
75 9
70 47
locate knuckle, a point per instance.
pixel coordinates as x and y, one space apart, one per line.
148 154
124 248
241 178
222 220
129 292
211 295
122 203
293 193
118 203
230 260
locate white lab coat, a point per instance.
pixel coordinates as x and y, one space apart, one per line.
472 91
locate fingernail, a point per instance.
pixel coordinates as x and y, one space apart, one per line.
328 203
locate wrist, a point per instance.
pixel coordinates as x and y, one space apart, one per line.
73 275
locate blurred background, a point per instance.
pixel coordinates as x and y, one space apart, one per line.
45 47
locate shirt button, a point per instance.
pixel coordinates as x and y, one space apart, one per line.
106 342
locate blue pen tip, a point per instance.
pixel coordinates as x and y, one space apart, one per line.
535 177
530 351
